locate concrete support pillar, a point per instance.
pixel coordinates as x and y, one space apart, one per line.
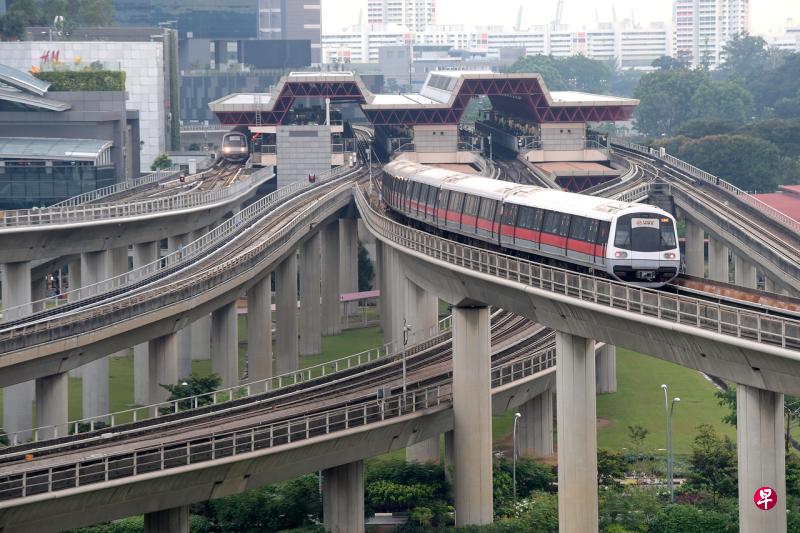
348 261
286 346
225 344
421 312
607 369
18 398
426 451
175 244
449 465
94 375
472 409
38 293
760 445
393 293
577 434
310 294
117 264
143 254
174 520
718 269
343 498
695 250
163 366
259 330
201 329
51 405
74 283
330 280
770 286
535 429
745 272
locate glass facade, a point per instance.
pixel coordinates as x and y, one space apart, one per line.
201 19
26 185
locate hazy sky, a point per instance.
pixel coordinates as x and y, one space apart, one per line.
768 16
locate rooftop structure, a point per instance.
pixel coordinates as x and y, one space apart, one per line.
442 100
41 148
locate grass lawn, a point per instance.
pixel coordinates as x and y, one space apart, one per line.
640 401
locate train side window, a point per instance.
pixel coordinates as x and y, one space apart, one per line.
602 233
487 208
471 205
552 222
509 214
563 231
579 228
444 196
591 233
432 195
456 202
538 217
406 191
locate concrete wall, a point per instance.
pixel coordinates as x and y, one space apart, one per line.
569 136
436 138
143 63
302 150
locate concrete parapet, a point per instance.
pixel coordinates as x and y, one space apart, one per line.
577 434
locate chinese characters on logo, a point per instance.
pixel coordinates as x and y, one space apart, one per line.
765 498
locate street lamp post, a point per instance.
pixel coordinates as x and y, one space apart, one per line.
669 408
517 416
406 329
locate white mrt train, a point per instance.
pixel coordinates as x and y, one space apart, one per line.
633 243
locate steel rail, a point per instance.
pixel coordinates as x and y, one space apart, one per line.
694 312
117 188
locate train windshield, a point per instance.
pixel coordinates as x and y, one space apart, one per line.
234 140
645 232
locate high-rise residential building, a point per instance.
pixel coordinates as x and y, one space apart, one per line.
702 28
292 20
416 15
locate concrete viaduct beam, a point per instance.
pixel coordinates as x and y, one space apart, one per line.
577 434
174 520
472 410
287 359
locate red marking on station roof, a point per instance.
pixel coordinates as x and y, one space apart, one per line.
787 201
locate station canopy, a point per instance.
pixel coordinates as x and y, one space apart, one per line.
50 149
21 91
443 99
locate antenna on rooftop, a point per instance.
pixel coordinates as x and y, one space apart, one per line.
518 26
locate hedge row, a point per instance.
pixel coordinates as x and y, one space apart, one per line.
94 80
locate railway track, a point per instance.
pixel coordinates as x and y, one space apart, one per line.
428 366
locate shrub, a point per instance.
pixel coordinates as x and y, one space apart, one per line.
687 519
93 80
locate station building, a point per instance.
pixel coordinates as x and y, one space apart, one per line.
55 145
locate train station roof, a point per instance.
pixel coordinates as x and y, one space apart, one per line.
51 149
443 99
21 91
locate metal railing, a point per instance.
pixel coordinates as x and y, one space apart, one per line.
178 258
207 448
117 188
695 172
87 213
635 194
238 392
707 315
134 462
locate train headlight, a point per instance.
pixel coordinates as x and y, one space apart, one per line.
241 149
670 255
227 150
620 255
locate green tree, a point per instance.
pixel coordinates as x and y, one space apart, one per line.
95 13
366 270
669 63
540 64
195 385
611 466
727 398
703 127
538 513
664 96
746 57
20 15
713 463
783 133
749 163
721 101
531 475
779 84
161 162
584 74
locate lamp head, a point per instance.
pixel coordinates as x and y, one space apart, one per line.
664 386
517 415
676 399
